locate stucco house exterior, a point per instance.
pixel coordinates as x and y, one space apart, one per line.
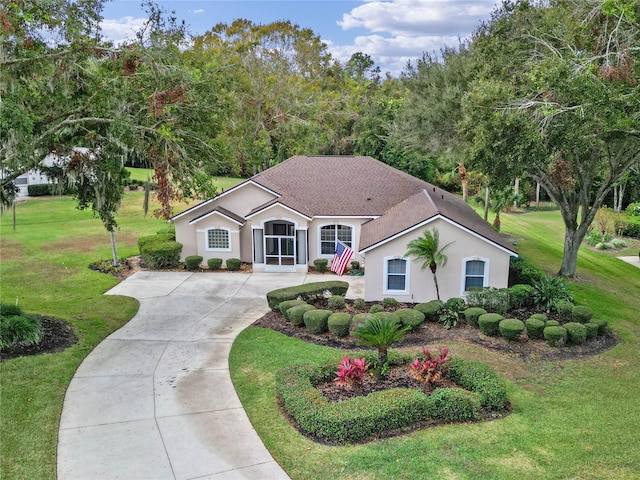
283 218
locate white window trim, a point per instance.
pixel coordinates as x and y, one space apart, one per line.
206 240
319 241
463 276
407 275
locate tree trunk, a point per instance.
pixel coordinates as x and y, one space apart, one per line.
538 195
621 197
13 212
462 171
382 361
572 241
615 199
516 190
496 222
435 280
486 204
113 248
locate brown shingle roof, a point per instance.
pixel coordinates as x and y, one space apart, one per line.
223 211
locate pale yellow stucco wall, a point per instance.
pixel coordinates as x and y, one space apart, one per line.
450 277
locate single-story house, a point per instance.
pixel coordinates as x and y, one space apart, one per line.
285 217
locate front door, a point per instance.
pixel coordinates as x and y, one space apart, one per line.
280 247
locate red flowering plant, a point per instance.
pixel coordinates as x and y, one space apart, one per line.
430 368
350 372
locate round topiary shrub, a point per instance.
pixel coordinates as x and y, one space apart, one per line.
430 309
555 336
471 314
359 304
489 323
389 302
511 328
552 323
592 330
296 314
410 317
192 262
535 328
564 308
335 302
576 333
317 321
287 304
338 324
214 263
320 264
540 316
581 314
233 264
376 308
360 319
387 317
602 325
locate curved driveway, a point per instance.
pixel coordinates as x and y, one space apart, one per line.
155 400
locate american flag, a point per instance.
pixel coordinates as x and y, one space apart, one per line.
341 258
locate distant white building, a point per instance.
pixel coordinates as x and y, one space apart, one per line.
37 177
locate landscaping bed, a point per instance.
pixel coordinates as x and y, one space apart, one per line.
432 332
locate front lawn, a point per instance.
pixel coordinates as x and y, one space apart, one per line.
570 419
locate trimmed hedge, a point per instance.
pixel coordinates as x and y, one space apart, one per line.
410 317
387 317
320 264
535 328
214 263
552 323
471 314
576 333
335 302
581 314
287 304
376 308
592 330
366 417
233 264
390 302
339 323
489 324
193 262
511 328
540 316
296 314
39 189
157 238
564 308
307 292
162 254
359 304
556 336
360 319
430 309
602 324
317 321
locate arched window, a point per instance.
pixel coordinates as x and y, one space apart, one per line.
396 275
218 239
330 234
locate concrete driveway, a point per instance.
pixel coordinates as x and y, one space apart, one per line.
155 400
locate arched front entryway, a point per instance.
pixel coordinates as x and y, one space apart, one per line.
279 246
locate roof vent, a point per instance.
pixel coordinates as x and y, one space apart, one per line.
443 196
434 189
368 198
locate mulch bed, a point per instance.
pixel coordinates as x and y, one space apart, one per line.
430 333
56 336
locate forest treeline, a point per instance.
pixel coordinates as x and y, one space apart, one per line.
543 95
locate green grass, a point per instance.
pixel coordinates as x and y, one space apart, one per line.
571 419
144 174
43 265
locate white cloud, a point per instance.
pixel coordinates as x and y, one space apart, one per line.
200 10
402 30
119 30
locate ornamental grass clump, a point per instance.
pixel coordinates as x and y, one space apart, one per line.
350 372
430 368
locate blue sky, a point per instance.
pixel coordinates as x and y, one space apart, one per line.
392 32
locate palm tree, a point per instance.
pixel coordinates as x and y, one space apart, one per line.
427 248
380 333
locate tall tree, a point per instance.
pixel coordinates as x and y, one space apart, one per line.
427 249
558 101
62 87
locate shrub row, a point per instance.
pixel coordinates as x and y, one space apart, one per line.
306 292
365 417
